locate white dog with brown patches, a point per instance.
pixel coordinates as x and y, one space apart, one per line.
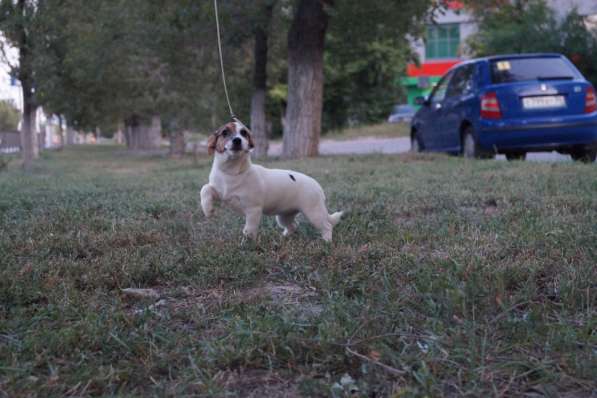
254 190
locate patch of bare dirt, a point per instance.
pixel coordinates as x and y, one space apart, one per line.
184 298
253 383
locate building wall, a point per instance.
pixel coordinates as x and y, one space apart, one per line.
420 80
466 23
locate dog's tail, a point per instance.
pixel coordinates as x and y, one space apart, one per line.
335 218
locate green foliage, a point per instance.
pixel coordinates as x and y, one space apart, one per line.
367 50
531 26
9 116
361 85
106 61
523 26
459 274
99 63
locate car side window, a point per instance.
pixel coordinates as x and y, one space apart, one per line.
439 93
462 83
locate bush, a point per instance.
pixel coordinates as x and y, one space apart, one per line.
4 161
9 116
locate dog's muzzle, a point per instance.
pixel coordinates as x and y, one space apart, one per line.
237 144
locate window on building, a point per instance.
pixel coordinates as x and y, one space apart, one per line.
442 41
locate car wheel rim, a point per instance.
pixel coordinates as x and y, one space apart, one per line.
469 146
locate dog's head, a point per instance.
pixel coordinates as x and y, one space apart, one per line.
232 139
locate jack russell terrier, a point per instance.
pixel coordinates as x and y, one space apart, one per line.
254 190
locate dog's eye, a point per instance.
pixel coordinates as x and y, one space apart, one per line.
225 133
244 133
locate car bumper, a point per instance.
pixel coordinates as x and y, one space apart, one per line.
539 135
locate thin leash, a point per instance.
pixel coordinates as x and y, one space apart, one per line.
232 115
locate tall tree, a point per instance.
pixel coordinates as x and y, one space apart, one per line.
17 23
362 22
137 61
306 40
258 99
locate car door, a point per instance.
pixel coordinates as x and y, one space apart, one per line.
456 106
431 115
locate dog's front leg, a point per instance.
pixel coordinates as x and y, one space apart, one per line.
252 220
208 195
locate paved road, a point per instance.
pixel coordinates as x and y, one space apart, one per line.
361 146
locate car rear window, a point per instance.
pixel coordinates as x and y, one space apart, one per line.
523 69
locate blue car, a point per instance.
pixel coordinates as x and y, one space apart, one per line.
509 104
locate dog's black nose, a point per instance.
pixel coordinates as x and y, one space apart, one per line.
236 141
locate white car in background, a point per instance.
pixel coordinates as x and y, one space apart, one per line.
402 113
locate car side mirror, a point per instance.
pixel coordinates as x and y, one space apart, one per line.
421 101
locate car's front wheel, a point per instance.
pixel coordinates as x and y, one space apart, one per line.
415 143
584 155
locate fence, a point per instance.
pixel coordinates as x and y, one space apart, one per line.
10 142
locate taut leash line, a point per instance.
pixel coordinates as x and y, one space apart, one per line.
222 61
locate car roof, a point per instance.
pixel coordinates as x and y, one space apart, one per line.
504 56
524 55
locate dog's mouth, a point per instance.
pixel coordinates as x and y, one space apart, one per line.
236 148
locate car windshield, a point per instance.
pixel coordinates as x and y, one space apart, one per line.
524 69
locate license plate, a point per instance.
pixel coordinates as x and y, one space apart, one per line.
544 102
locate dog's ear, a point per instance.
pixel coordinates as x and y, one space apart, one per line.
212 142
250 139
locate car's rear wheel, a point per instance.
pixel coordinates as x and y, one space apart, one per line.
470 147
516 156
415 143
584 155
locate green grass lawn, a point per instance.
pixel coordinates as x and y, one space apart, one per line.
446 278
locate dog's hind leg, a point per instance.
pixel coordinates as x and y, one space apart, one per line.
287 222
208 195
319 218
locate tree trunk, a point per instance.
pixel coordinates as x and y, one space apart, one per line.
128 136
70 135
136 136
258 119
29 143
131 132
60 133
143 136
178 144
152 134
306 40
258 123
119 135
